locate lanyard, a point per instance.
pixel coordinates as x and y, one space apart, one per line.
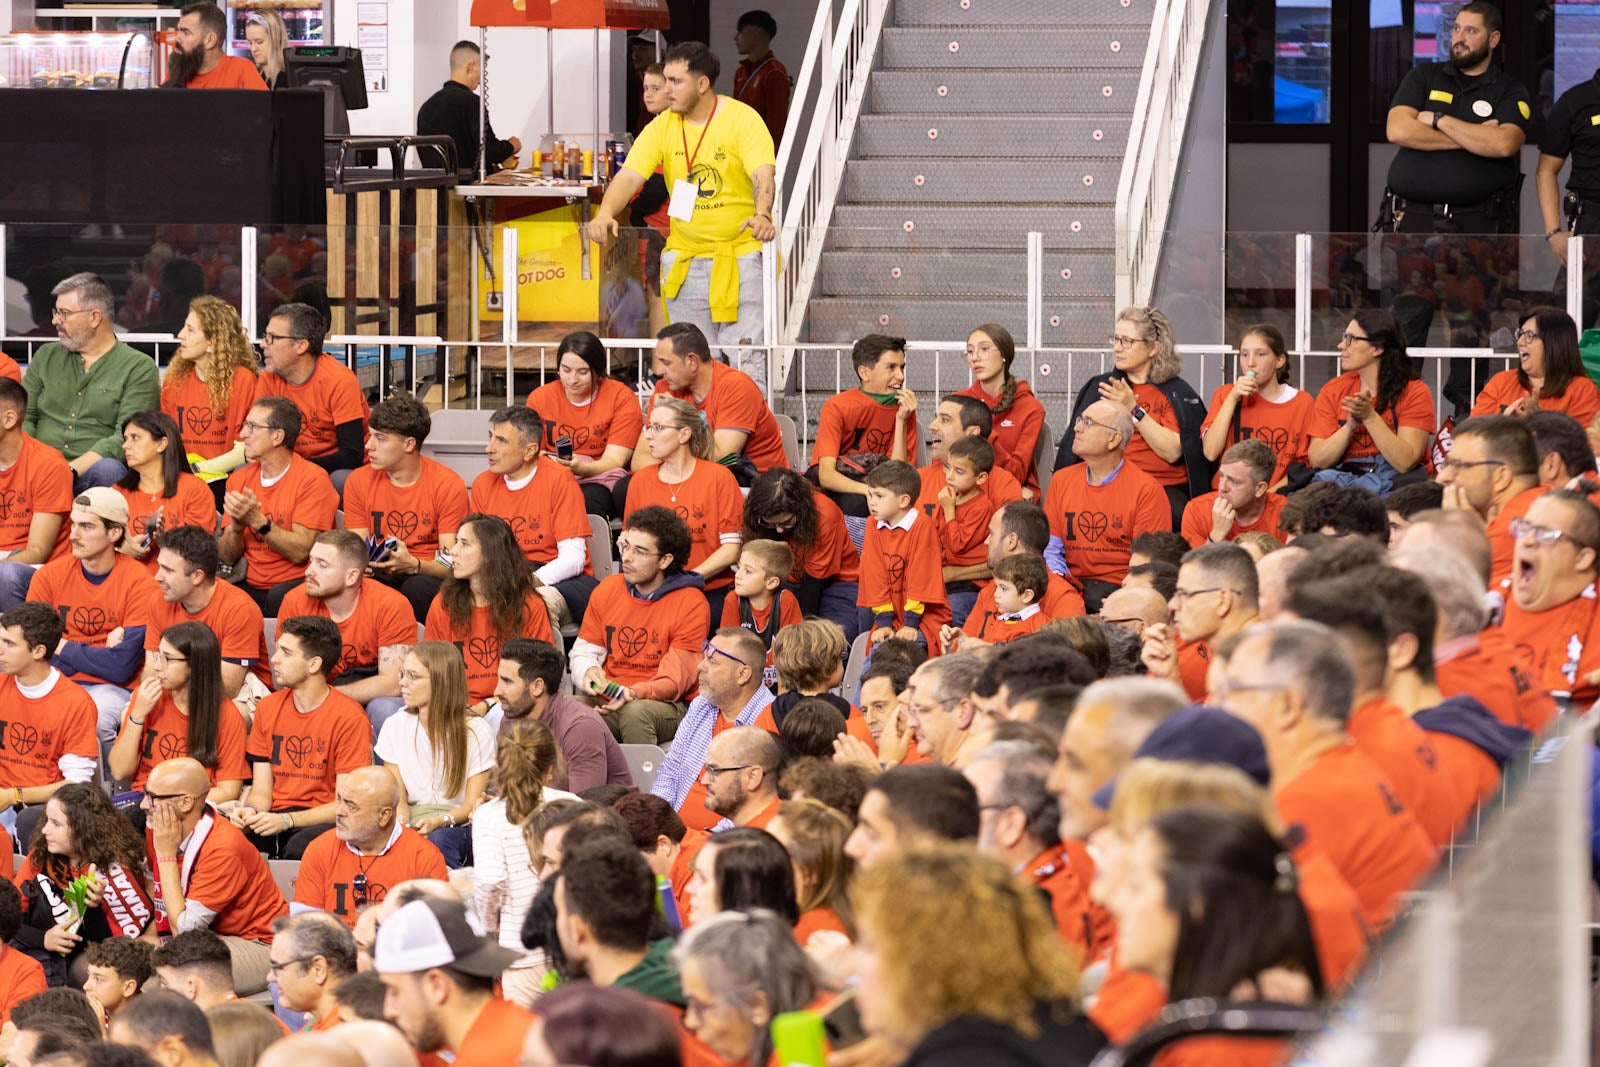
682 131
750 78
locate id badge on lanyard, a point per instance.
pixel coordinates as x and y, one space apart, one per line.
686 193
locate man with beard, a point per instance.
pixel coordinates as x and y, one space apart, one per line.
199 59
741 777
529 685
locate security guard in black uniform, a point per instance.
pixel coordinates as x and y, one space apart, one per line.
1574 130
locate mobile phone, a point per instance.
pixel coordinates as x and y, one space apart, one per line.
612 691
563 447
841 1021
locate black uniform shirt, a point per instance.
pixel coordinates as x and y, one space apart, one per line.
453 110
1457 176
1574 130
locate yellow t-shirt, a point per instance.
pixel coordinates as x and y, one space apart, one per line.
736 145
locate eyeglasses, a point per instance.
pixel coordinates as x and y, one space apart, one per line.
1117 341
161 657
1457 465
1351 338
662 427
61 313
1527 335
1083 422
1225 687
252 427
270 339
414 676
358 888
1132 623
779 523
159 797
1543 536
711 650
712 770
918 710
1179 595
626 548
272 967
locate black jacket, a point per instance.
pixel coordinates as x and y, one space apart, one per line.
1065 1040
453 110
1191 413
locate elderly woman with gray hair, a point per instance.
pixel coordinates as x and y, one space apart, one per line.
740 970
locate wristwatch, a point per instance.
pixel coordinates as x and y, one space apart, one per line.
1436 118
1138 412
262 530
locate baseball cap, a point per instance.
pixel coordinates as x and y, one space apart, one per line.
430 933
105 502
1200 734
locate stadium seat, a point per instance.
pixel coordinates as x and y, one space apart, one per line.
643 761
853 668
791 440
605 564
1044 458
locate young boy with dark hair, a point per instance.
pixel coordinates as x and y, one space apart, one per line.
1020 583
758 603
902 582
118 968
865 420
962 516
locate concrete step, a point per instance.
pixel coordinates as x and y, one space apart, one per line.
986 137
942 272
1103 93
1060 13
884 226
1008 48
843 319
939 181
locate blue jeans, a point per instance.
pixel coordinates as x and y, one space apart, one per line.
838 604
100 472
456 844
961 605
1378 480
14 581
380 710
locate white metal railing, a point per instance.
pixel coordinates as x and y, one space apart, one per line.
1155 143
833 79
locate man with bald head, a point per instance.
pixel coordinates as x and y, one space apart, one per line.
1097 507
324 1050
1272 580
379 1044
741 777
1134 608
209 875
368 850
1112 719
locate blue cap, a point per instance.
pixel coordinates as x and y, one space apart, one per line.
1200 734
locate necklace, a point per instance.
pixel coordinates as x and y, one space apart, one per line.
674 487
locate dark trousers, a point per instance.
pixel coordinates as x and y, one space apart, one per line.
290 844
270 598
418 589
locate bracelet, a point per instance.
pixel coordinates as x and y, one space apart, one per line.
450 818
287 825
166 859
1551 233
136 722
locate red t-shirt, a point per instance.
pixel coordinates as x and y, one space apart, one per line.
1067 886
693 810
1499 531
985 623
1486 668
192 505
230 878
208 431
39 481
1016 432
639 634
1197 519
166 736
480 643
329 867
709 503
329 398
788 615
21 976
1409 759
832 555
1061 601
1194 663
612 416
307 751
415 515
1337 924
495 1037
543 513
231 72
853 422
899 566
1580 399
230 614
1283 427
91 610
735 402
382 617
1097 523
1414 409
39 731
302 496
1157 407
1000 487
1557 648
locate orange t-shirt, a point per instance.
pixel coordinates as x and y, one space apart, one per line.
480 643
1283 427
231 72
1001 487
683 868
329 867
166 736
1580 399
815 921
986 623
414 515
1337 924
40 730
382 617
231 878
611 417
902 565
495 1037
1353 816
302 496
20 974
1476 774
192 505
543 513
208 431
307 751
760 618
230 614
1197 519
1016 431
832 555
639 635
39 481
328 399
852 422
964 538
1097 523
1414 409
1409 759
735 402
709 503
1127 1002
1484 667
1499 531
1067 886
9 368
1194 663
1224 1052
693 810
91 610
1061 600
1558 648
1157 407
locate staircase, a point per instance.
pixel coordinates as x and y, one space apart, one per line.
983 120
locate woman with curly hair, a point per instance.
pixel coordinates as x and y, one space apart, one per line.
1018 415
597 413
210 384
160 491
814 834
1374 420
784 506
489 596
1008 997
82 835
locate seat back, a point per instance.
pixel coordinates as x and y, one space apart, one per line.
643 762
605 565
456 440
284 872
850 687
1044 458
791 440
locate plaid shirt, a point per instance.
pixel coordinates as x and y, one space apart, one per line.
687 757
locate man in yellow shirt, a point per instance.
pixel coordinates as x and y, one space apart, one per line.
717 158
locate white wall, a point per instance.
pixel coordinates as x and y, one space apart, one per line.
794 29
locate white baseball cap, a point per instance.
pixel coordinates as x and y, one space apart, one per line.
433 932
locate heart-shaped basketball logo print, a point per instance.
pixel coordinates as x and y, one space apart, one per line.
485 651
879 441
578 435
297 749
402 524
90 620
683 513
631 640
347 659
376 892
12 503
197 420
896 568
22 737
1274 437
1091 525
172 746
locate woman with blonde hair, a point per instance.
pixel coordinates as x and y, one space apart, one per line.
269 40
504 879
210 384
1167 413
241 1032
814 834
1009 996
683 477
439 755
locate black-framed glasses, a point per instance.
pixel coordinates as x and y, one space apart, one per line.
61 313
161 657
275 967
712 770
1463 464
1527 335
1179 595
269 339
358 889
252 427
159 797
710 650
1351 338
1116 341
